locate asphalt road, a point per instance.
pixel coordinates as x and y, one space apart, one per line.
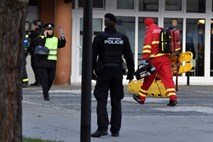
59 119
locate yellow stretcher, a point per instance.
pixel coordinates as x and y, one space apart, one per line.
157 88
180 63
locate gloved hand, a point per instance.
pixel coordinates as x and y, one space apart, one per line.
130 76
144 62
130 80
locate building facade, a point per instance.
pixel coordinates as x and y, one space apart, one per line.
195 20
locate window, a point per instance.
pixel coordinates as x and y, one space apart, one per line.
126 25
128 4
148 5
196 6
195 31
96 3
96 28
175 22
212 6
211 50
173 5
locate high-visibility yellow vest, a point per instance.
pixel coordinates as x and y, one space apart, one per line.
52 45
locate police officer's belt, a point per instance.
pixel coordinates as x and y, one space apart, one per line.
112 65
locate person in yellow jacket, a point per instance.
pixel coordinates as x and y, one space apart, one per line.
47 66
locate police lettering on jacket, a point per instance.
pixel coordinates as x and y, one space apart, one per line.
113 40
113 47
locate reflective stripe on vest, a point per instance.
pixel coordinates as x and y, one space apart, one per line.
52 45
25 80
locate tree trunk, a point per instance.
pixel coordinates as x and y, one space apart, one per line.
12 19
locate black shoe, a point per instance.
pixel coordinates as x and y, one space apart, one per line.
46 98
99 133
115 134
137 99
172 103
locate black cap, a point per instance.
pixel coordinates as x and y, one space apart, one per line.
111 17
49 26
37 22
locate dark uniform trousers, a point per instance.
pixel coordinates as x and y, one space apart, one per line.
34 64
23 67
109 79
47 76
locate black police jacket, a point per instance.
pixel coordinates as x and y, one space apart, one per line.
35 39
110 46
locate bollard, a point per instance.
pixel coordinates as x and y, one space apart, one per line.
188 77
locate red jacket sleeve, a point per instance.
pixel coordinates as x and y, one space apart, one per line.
151 42
147 45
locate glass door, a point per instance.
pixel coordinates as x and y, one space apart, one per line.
195 31
97 27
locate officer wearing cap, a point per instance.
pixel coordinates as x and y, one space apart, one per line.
49 26
47 66
109 49
34 41
37 23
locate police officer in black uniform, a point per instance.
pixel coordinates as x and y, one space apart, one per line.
109 48
47 66
35 40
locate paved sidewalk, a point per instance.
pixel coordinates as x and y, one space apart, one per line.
59 119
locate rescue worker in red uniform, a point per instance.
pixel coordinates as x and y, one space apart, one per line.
161 61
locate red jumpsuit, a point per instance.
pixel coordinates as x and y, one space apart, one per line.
161 62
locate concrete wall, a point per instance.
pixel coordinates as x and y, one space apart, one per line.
59 13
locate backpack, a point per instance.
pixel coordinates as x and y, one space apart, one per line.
169 40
